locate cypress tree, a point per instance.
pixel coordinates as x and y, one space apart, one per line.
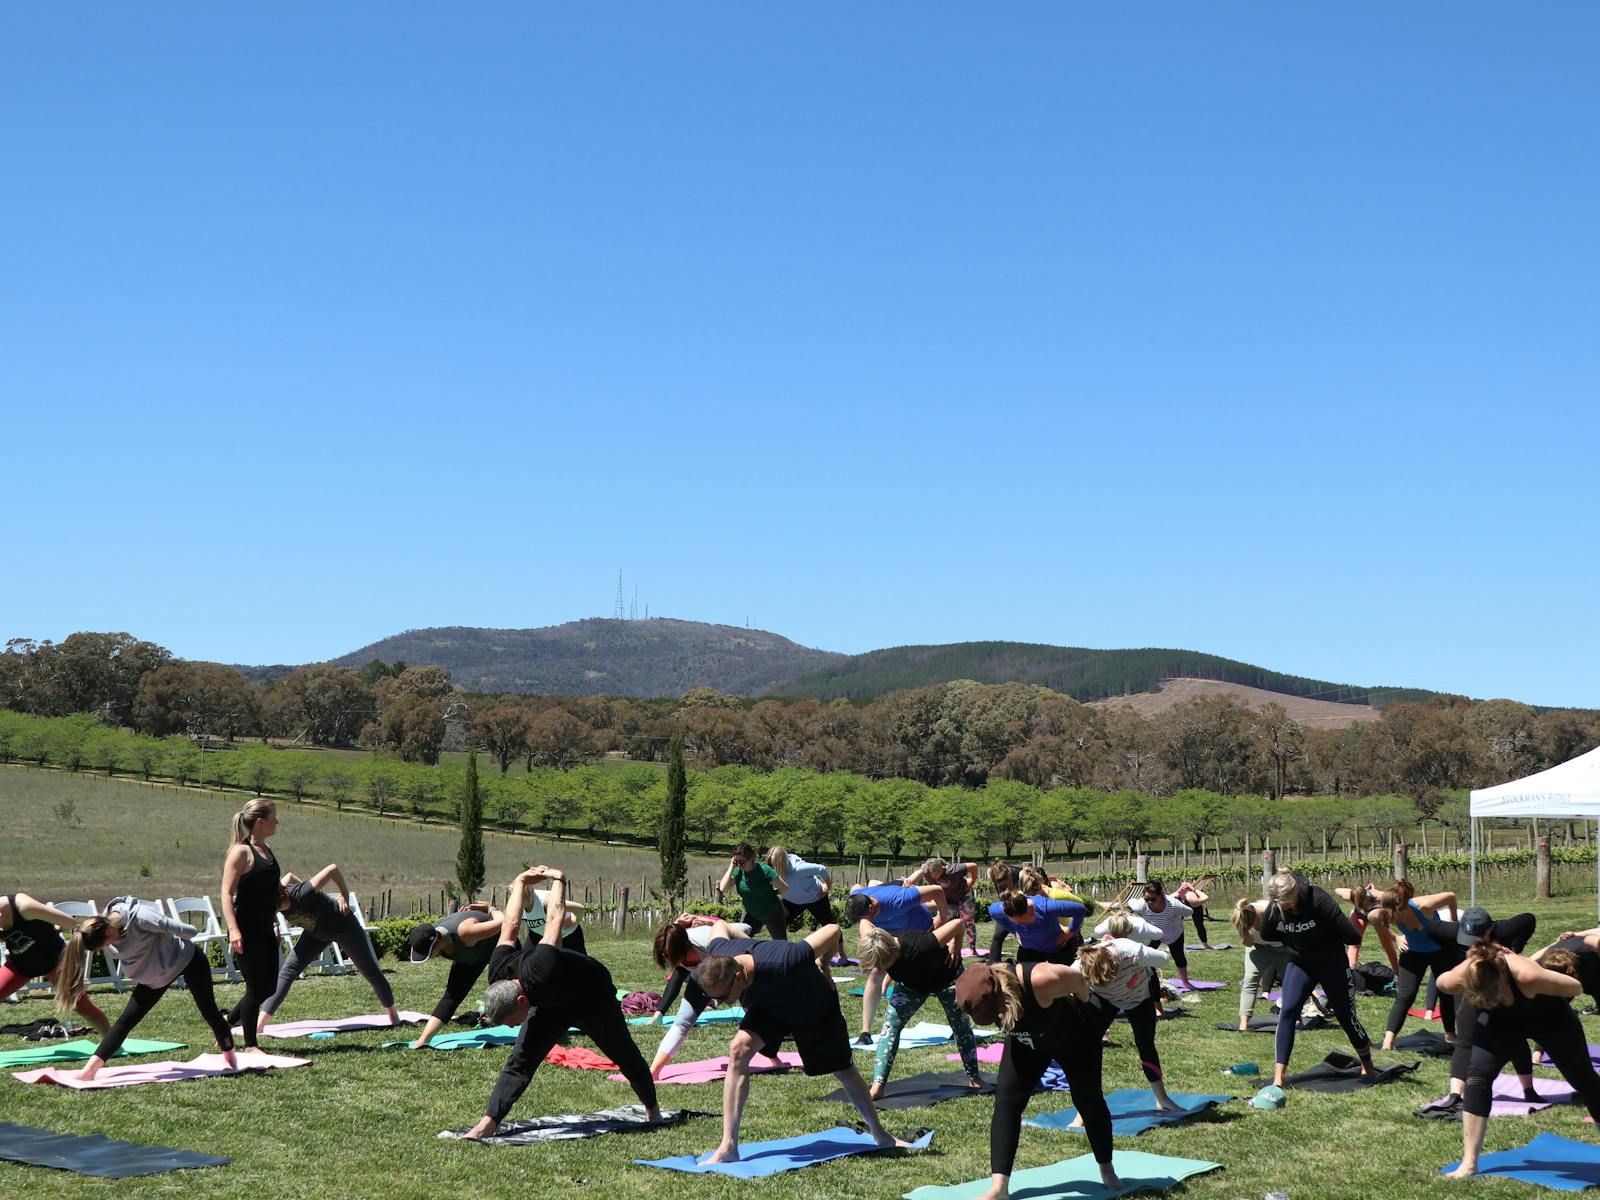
470 870
674 822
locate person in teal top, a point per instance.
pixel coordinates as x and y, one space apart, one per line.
760 890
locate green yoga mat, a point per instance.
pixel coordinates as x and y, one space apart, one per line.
862 991
711 1016
78 1051
469 1039
1079 1178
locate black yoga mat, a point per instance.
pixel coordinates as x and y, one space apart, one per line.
1425 1042
92 1154
917 1091
1257 1025
569 1126
1340 1073
45 1029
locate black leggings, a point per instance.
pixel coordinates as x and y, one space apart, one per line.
357 947
1074 1042
258 963
1065 954
997 942
197 977
775 923
1408 975
603 1024
1143 1019
1179 958
821 911
1200 925
1552 1023
1332 970
1468 1028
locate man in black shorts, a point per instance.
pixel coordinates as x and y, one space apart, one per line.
787 993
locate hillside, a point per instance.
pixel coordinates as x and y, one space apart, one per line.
1080 673
1314 714
657 657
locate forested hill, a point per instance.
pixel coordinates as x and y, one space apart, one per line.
656 657
1082 674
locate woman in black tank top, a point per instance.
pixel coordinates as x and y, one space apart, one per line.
250 882
31 933
1039 1005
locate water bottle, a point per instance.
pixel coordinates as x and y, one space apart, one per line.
1242 1069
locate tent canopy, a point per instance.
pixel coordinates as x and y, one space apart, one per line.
1571 789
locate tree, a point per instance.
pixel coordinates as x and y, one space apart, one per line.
674 827
707 808
502 729
338 782
557 739
470 868
1195 814
1016 802
1056 818
382 787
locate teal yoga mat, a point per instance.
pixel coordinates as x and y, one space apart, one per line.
470 1039
1079 1178
712 1016
78 1051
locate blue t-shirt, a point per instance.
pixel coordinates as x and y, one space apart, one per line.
898 908
1044 932
805 880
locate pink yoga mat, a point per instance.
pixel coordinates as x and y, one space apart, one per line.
290 1029
204 1067
991 1053
713 1070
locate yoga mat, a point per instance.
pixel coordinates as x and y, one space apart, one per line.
43 1030
1054 1079
78 1051
711 1016
1338 1073
579 1059
757 1160
992 1053
1206 949
714 1070
470 1039
206 1066
1194 985
1257 1025
1079 1178
919 1091
1426 1042
921 1035
1543 1060
1133 1110
94 1154
1550 1160
862 990
1421 1014
294 1029
569 1126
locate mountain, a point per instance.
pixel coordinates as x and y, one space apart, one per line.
1082 674
655 657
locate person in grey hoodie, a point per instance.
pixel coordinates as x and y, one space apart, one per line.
153 951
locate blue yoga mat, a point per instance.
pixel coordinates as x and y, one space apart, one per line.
1079 1178
1550 1160
1133 1110
470 1039
712 1016
760 1159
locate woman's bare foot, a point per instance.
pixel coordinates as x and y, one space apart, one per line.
1108 1178
1388 1042
1167 1104
886 1140
724 1154
1244 1024
1077 1122
1464 1171
875 1092
974 1082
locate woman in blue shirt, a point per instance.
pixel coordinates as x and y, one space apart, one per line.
809 885
1036 922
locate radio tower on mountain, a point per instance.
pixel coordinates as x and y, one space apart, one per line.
616 613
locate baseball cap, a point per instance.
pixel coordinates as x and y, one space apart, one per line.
1474 926
979 995
422 940
1270 1096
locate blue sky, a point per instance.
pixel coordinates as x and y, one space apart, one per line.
1251 329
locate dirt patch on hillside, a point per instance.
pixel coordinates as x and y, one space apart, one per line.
1315 714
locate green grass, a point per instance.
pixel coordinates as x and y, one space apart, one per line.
361 1122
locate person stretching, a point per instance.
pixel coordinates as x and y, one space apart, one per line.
1119 969
31 931
759 888
807 886
546 990
1192 894
1363 900
679 947
250 888
1264 960
1517 999
1425 947
1030 881
921 965
1036 922
1314 928
786 992
326 919
1581 958
1043 1007
466 940
154 951
1167 915
896 908
960 882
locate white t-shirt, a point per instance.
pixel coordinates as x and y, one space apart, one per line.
534 919
1169 920
700 935
1131 986
1143 930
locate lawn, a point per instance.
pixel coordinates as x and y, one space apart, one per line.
361 1122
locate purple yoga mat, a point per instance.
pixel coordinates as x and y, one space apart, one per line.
1509 1101
1544 1059
713 1070
290 1029
205 1066
993 1052
1195 985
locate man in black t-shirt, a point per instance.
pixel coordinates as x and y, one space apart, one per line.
546 990
787 993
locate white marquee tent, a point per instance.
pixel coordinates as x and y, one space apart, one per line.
1568 792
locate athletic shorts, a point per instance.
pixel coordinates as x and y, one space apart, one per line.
823 1044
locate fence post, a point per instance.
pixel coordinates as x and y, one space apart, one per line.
1141 869
1401 861
1541 869
1269 866
622 910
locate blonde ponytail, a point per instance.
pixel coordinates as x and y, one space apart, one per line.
1010 998
1245 918
245 819
73 969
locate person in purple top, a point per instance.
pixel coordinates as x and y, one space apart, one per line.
894 908
1036 922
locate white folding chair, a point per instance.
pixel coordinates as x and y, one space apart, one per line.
78 910
202 914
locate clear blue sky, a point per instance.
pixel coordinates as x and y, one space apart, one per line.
1251 329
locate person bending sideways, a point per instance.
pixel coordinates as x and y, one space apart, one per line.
466 940
1120 969
807 887
1580 951
1037 923
546 990
1167 915
1264 960
895 908
1510 933
760 889
678 948
1193 893
1043 1007
1427 945
921 965
960 882
787 993
31 933
1516 999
